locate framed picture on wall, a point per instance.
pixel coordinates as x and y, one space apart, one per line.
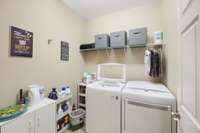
21 42
64 54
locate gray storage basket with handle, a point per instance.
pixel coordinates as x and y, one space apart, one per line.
102 41
77 118
137 37
118 39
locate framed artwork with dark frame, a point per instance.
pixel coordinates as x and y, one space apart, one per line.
64 53
21 42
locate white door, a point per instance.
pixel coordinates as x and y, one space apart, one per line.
45 119
103 111
189 53
24 124
142 117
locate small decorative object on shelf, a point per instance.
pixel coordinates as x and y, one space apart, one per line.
88 77
60 111
73 107
65 106
158 37
65 91
22 97
53 95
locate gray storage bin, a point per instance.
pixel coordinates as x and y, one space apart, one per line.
102 41
118 39
137 37
77 119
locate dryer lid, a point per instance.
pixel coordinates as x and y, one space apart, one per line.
147 86
148 92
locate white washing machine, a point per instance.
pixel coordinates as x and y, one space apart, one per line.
103 103
147 108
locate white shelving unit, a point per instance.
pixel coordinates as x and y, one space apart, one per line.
82 95
64 98
59 102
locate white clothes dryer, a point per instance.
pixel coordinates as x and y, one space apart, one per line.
147 108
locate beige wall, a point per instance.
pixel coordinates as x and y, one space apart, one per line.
142 16
169 22
52 19
46 19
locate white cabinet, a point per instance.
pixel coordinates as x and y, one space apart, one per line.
45 119
39 118
23 124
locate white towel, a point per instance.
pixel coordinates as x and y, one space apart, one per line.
147 62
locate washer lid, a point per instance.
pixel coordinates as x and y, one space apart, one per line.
111 67
106 86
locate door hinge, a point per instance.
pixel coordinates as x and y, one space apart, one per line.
176 116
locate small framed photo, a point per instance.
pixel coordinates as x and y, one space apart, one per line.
64 54
21 42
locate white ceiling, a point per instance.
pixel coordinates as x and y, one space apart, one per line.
94 8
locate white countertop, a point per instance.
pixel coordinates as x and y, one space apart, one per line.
32 108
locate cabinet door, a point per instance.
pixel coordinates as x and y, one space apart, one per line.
23 124
45 119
